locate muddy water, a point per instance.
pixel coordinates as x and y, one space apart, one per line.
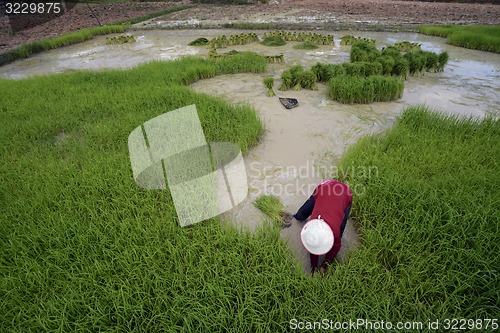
301 146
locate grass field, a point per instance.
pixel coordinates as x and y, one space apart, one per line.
84 249
484 38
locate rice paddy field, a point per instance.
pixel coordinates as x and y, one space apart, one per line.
84 249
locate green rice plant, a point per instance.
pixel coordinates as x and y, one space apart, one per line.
271 206
347 89
373 68
296 72
408 46
275 59
308 80
386 89
199 42
401 68
364 90
286 80
431 61
391 51
120 39
484 38
387 64
361 69
363 52
354 69
347 40
442 60
351 40
416 63
269 83
306 46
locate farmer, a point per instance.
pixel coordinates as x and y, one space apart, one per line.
329 207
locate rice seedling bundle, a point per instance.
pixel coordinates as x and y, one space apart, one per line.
296 71
286 80
275 59
325 72
351 40
311 38
387 64
408 46
364 90
401 68
416 63
442 60
308 80
362 51
124 39
269 83
391 51
431 61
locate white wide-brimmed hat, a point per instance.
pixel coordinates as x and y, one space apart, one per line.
317 236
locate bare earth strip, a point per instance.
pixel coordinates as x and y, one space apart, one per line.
327 13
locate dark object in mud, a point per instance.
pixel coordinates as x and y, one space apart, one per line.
120 39
199 41
286 219
289 103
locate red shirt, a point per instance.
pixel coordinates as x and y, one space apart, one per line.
331 199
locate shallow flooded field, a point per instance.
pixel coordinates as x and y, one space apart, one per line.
300 146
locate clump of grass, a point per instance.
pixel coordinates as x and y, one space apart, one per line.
269 83
355 89
271 206
484 38
306 46
124 39
273 41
